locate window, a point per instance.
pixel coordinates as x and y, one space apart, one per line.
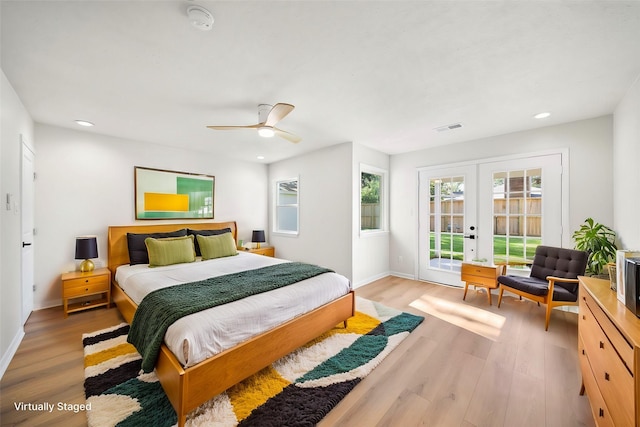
286 206
517 214
372 199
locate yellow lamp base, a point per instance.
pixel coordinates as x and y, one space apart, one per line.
87 265
257 245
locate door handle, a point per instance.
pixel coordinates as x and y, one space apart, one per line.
25 244
469 236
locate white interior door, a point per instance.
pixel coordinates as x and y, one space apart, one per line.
447 226
27 213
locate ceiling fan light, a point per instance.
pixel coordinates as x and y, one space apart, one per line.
266 132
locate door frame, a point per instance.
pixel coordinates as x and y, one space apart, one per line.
565 194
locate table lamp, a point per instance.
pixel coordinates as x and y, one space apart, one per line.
86 248
258 237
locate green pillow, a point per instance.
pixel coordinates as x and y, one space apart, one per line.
170 250
217 246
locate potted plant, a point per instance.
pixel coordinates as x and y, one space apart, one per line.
598 241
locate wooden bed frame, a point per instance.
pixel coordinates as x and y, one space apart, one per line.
188 388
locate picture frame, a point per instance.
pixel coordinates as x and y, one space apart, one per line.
163 194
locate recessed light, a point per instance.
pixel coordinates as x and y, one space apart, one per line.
84 123
542 115
260 157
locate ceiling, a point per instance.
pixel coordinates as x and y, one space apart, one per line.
383 74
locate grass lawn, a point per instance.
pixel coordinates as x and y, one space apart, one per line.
518 250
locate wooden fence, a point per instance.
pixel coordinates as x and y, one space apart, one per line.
452 218
370 216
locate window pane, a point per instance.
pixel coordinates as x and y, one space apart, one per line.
287 218
286 214
287 193
370 201
517 208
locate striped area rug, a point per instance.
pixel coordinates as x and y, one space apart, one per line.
297 390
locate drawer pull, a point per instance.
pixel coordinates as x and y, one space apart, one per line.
601 412
606 376
86 290
86 280
583 351
601 344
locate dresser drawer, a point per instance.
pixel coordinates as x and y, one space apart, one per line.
598 406
622 346
612 377
85 286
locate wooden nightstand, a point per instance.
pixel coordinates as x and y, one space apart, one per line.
78 285
485 276
265 250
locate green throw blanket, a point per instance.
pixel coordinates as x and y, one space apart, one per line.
159 309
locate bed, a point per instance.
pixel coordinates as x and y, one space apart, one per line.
188 387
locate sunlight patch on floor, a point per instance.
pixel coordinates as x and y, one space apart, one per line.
473 319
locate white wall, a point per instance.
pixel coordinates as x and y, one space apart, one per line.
590 145
325 200
626 171
370 250
86 183
15 122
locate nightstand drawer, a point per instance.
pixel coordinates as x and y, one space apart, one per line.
86 285
479 271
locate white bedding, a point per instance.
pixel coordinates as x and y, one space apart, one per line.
199 336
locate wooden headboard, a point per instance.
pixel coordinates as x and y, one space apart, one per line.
117 236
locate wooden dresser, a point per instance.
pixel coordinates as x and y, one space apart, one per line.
609 352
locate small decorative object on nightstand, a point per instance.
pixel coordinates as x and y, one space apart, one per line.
258 237
265 250
86 248
78 284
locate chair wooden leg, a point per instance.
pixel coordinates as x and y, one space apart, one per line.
500 296
547 317
466 288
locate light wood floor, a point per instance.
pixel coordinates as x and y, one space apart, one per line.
468 364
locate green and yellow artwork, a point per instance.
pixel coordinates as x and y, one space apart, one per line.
162 194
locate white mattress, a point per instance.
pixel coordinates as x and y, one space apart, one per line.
199 336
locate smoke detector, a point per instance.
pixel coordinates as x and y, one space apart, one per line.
200 18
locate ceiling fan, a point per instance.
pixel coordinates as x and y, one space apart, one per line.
268 116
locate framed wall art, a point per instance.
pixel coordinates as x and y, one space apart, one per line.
163 194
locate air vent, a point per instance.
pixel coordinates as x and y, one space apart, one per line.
448 127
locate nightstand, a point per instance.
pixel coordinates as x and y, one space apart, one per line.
265 250
485 276
79 285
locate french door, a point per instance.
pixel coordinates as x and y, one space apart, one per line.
447 227
488 212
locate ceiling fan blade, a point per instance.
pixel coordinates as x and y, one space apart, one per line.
287 135
256 126
277 113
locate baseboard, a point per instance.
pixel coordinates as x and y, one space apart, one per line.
368 280
11 351
402 275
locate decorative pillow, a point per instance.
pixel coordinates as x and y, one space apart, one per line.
205 233
170 250
137 248
217 246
